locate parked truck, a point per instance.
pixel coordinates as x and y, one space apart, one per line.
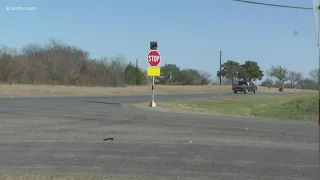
244 86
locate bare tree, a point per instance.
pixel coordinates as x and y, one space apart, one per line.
294 77
315 76
7 63
59 63
116 70
207 76
31 58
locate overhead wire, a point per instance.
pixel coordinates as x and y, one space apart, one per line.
275 5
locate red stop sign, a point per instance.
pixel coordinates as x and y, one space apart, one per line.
154 58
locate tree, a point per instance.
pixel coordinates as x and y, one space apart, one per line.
268 82
205 76
294 77
32 53
280 73
134 75
8 63
5 67
204 82
170 74
190 77
116 70
194 77
315 76
308 83
230 70
251 71
53 61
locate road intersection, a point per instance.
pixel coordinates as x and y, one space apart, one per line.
65 135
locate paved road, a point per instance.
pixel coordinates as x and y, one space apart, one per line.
65 135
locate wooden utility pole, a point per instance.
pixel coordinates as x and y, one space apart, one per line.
220 67
136 72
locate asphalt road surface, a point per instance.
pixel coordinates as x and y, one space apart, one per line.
65 135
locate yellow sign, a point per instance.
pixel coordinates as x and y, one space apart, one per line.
153 71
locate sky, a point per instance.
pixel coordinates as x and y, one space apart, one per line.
189 33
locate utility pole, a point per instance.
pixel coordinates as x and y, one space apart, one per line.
316 16
220 66
136 73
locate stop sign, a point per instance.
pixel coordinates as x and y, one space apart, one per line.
154 58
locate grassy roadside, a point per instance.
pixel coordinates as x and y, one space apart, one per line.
298 107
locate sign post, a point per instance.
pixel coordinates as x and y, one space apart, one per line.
153 61
153 103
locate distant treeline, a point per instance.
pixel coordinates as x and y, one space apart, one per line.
63 64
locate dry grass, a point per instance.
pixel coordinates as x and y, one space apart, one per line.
11 176
7 90
62 177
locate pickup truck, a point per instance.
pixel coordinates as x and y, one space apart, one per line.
244 86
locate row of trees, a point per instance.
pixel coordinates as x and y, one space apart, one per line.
292 79
59 63
172 74
232 71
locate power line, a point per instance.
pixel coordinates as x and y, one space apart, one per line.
275 5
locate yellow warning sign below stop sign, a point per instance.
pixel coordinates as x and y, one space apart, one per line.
153 71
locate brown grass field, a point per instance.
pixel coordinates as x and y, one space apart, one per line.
18 90
15 176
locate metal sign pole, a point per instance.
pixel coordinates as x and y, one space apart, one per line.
153 89
153 103
153 70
